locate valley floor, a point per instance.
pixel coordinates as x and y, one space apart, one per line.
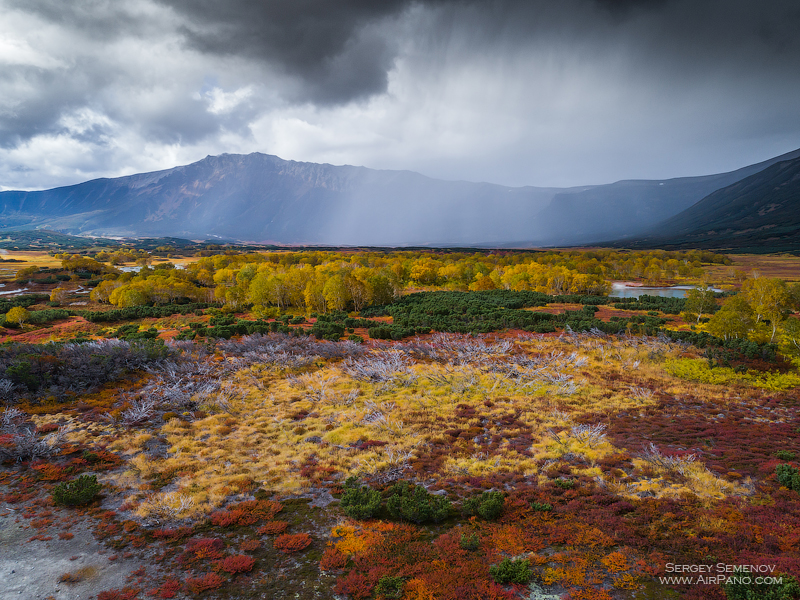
223 469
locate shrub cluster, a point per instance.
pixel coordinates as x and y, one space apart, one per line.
288 542
788 589
489 505
80 491
670 306
53 369
484 312
142 312
415 504
359 501
390 587
511 571
788 476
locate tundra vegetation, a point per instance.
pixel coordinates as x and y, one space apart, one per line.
415 425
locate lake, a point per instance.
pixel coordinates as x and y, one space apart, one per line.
620 290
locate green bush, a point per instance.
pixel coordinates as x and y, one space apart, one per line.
470 542
788 476
359 501
81 491
390 587
489 505
787 590
415 504
541 506
565 484
785 455
511 571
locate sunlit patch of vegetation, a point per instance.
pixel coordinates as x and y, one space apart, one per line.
512 463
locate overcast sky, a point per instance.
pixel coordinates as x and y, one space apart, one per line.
518 92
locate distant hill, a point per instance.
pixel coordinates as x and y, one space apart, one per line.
758 213
631 208
260 198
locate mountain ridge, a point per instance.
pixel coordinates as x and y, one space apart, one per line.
762 210
263 198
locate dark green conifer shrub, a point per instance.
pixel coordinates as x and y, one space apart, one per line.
415 504
80 491
359 501
511 571
470 542
788 476
489 505
390 587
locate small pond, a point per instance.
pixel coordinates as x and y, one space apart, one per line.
620 290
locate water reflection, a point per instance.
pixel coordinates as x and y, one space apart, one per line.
620 290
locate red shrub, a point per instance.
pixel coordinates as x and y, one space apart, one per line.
257 510
169 589
292 542
357 584
250 545
332 559
49 472
226 518
240 563
209 581
244 513
123 594
201 548
272 528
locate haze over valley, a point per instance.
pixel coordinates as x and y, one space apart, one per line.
264 199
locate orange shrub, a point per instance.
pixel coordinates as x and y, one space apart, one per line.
332 559
240 563
250 545
209 581
292 542
272 528
615 562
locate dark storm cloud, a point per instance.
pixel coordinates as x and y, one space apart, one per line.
343 50
457 88
327 46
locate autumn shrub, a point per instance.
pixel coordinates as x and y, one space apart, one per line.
359 501
511 571
489 505
50 472
169 589
289 543
119 594
390 587
245 513
239 563
250 545
272 528
209 581
81 491
332 559
226 518
788 476
415 504
201 549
